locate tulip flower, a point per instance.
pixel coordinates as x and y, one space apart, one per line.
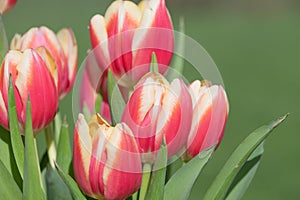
157 109
125 38
62 47
6 5
106 159
33 73
210 111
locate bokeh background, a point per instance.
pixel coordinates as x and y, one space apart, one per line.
256 46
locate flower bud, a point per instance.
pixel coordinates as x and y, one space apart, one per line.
62 47
106 159
33 73
210 112
125 38
6 5
157 109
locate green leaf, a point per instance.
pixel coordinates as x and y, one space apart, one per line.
64 153
15 135
178 62
245 175
32 185
8 187
176 163
98 103
115 99
186 176
3 41
157 181
56 188
224 179
72 185
154 65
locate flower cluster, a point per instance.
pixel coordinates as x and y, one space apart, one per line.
42 65
135 43
190 118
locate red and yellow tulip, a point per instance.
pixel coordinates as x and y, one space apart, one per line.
106 159
34 73
62 47
157 109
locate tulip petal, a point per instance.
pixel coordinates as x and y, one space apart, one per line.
6 5
155 34
68 43
82 154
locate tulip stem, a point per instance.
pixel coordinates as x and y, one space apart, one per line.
145 181
51 150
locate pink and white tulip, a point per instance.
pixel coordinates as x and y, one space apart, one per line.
6 5
210 112
62 47
106 159
124 39
33 73
157 109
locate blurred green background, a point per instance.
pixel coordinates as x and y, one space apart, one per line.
256 46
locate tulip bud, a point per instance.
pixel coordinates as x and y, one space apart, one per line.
33 73
106 159
62 47
125 38
210 112
6 5
157 109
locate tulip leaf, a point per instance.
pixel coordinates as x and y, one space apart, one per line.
15 135
158 176
64 153
72 185
98 103
245 175
154 65
32 185
115 98
178 62
3 41
186 176
235 163
8 187
56 188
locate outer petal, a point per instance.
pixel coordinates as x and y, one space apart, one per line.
122 171
155 34
122 17
6 5
176 117
69 45
82 154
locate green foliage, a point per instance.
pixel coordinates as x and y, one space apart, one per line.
180 184
32 185
235 163
64 153
15 134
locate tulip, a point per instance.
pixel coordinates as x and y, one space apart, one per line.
62 47
157 109
125 38
6 5
106 159
210 112
88 95
33 73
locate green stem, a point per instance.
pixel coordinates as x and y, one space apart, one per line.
51 149
57 126
145 181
